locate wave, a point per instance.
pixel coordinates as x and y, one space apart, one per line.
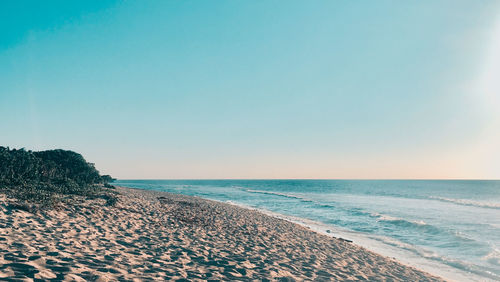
467 202
383 217
493 257
419 225
302 199
454 236
292 196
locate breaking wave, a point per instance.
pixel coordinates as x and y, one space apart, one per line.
467 202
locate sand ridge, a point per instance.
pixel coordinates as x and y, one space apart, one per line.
152 235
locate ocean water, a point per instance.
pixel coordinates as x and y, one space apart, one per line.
447 227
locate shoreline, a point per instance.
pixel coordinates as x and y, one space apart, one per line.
409 259
434 240
159 235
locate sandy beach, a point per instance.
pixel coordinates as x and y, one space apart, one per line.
151 235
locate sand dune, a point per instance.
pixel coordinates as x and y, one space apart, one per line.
160 236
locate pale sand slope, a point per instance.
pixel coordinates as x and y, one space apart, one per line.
153 235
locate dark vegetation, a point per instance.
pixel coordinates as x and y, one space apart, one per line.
46 178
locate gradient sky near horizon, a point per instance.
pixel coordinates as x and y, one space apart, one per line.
256 89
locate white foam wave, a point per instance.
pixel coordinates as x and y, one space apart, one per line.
493 257
384 217
464 202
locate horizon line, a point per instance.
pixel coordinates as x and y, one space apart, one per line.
359 179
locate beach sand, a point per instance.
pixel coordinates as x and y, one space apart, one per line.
152 235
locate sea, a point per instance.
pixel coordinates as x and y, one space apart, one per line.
449 228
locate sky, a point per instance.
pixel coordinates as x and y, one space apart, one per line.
256 89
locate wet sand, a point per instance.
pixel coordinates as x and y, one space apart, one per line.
152 235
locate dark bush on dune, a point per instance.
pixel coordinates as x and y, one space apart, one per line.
45 176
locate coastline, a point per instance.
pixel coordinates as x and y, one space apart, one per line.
159 235
403 256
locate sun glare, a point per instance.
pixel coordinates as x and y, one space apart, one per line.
487 90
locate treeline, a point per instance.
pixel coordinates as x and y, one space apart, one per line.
45 175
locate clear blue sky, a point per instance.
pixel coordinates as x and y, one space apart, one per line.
256 89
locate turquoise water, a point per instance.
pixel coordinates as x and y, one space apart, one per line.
450 223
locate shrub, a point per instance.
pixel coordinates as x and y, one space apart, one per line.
44 176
